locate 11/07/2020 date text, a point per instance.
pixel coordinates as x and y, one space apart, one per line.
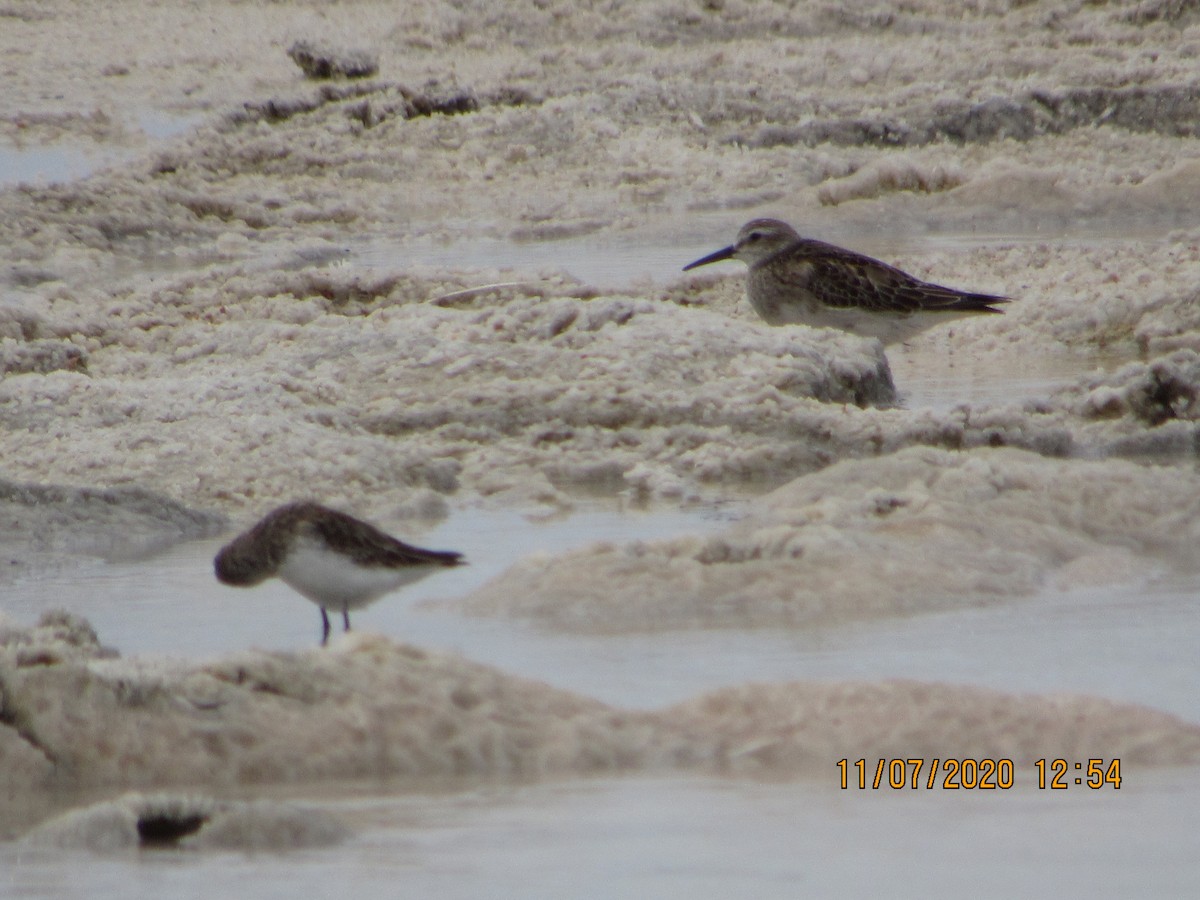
975 774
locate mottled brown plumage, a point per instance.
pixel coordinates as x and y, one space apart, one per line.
800 280
332 558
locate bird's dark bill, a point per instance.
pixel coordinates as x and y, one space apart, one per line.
725 253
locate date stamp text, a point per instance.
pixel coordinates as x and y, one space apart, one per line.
974 774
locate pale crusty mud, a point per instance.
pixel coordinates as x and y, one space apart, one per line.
191 327
76 719
322 61
367 709
251 387
180 320
242 390
918 530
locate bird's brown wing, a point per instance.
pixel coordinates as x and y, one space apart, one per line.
367 545
843 279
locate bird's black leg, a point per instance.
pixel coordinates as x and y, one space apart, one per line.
346 618
324 627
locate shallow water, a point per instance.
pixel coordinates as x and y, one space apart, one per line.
692 838
71 159
1132 642
666 837
47 164
603 261
683 836
658 250
172 605
678 836
932 376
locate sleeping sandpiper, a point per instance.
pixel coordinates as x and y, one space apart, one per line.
795 279
335 560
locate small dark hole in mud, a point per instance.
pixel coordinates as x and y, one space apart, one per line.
166 831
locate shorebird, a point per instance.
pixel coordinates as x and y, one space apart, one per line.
335 560
796 279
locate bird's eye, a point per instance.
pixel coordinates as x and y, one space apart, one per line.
754 236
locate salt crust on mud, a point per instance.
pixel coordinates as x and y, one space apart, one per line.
640 103
243 389
241 392
370 708
918 530
225 378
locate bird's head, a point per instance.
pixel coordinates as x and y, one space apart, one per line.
758 239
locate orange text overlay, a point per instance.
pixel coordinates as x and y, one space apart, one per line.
975 774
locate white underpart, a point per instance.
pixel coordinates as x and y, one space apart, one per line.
334 581
889 328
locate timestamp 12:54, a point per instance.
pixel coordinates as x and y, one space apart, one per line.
1059 774
974 774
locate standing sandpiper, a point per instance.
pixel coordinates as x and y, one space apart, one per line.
796 279
335 560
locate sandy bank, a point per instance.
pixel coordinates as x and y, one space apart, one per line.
920 530
76 718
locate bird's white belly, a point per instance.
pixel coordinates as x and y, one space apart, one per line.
888 327
332 580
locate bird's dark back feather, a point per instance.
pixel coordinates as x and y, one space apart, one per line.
843 279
